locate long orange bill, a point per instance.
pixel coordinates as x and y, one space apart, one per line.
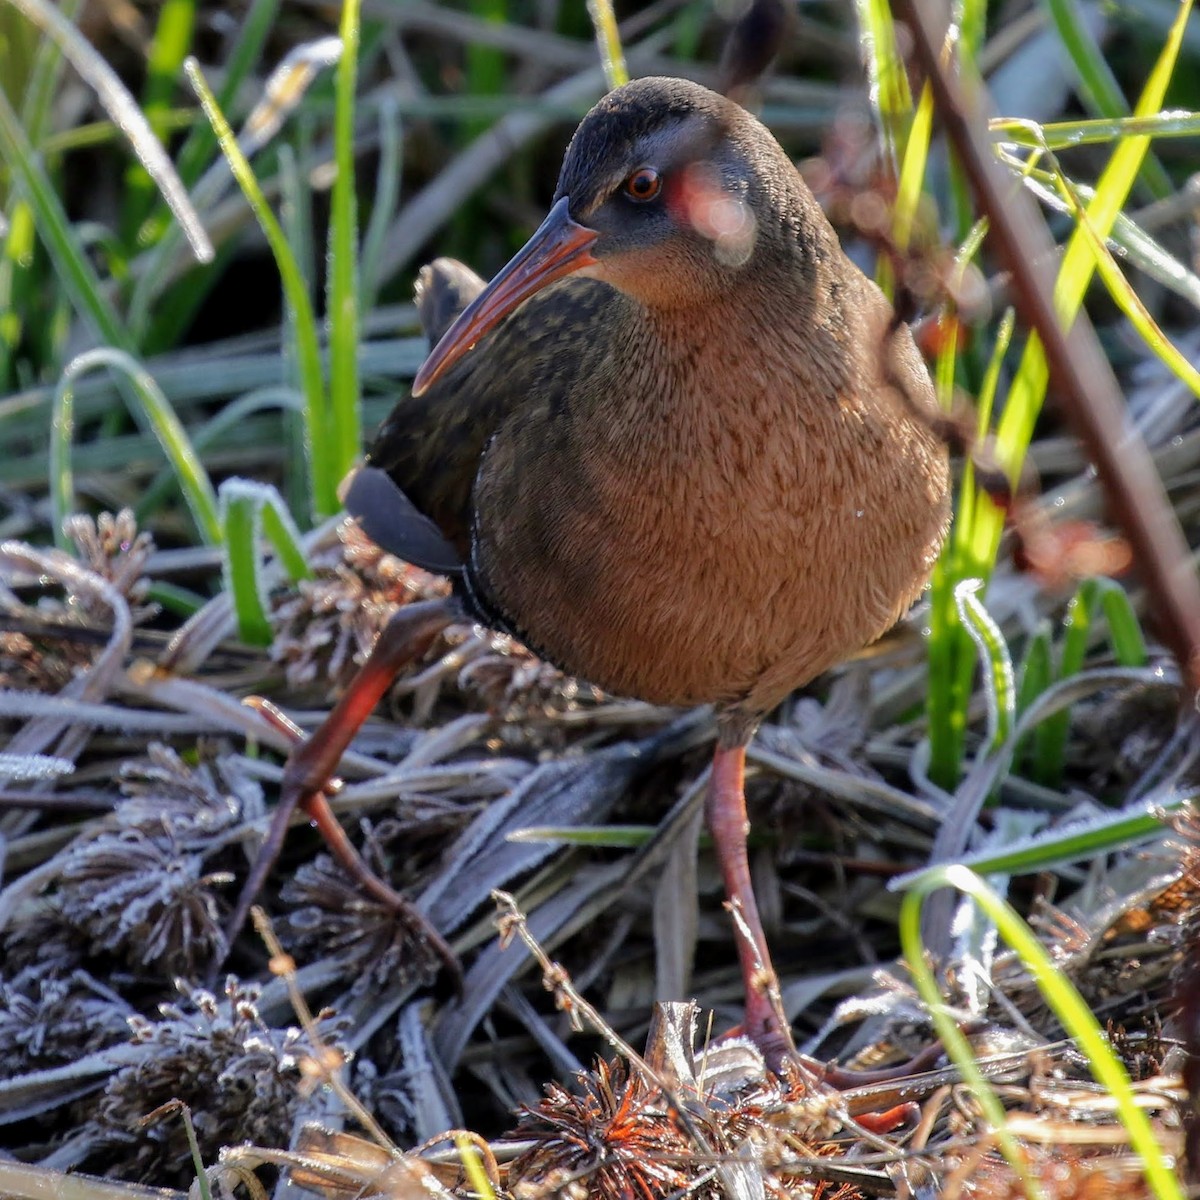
559 247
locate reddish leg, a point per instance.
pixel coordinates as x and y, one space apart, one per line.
725 810
311 766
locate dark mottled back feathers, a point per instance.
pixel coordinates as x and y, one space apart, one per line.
431 444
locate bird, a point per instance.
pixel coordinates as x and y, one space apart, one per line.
680 446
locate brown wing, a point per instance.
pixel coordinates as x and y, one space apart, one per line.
430 446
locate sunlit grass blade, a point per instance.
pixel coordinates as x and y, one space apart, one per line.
125 113
251 513
472 1165
1126 237
1029 385
1130 303
1070 843
71 261
1065 1002
1101 90
154 411
342 296
170 45
320 442
887 77
16 262
994 658
1065 135
384 199
951 655
915 154
912 170
608 39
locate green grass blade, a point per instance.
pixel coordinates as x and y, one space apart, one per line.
607 837
1036 668
1050 737
485 65
1065 135
251 512
608 40
229 417
958 1049
322 464
1064 1000
994 659
1130 303
181 601
1101 91
342 287
170 45
71 262
384 199
38 101
17 306
1029 385
62 477
245 55
242 531
951 655
912 170
1074 842
153 410
1037 673
155 330
472 1166
123 110
1127 238
887 77
1124 629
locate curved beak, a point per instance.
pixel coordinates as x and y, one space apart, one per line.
559 247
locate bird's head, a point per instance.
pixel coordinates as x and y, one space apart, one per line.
667 192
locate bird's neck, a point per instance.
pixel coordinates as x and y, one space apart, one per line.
768 305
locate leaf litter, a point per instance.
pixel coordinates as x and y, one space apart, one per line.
133 895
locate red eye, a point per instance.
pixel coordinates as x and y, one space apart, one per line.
644 184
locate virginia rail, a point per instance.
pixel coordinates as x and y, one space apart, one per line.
689 459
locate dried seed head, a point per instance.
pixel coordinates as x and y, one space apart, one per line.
144 899
327 626
47 1021
112 547
615 1138
517 686
139 886
239 1076
330 917
196 802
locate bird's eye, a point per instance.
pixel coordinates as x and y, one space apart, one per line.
644 184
